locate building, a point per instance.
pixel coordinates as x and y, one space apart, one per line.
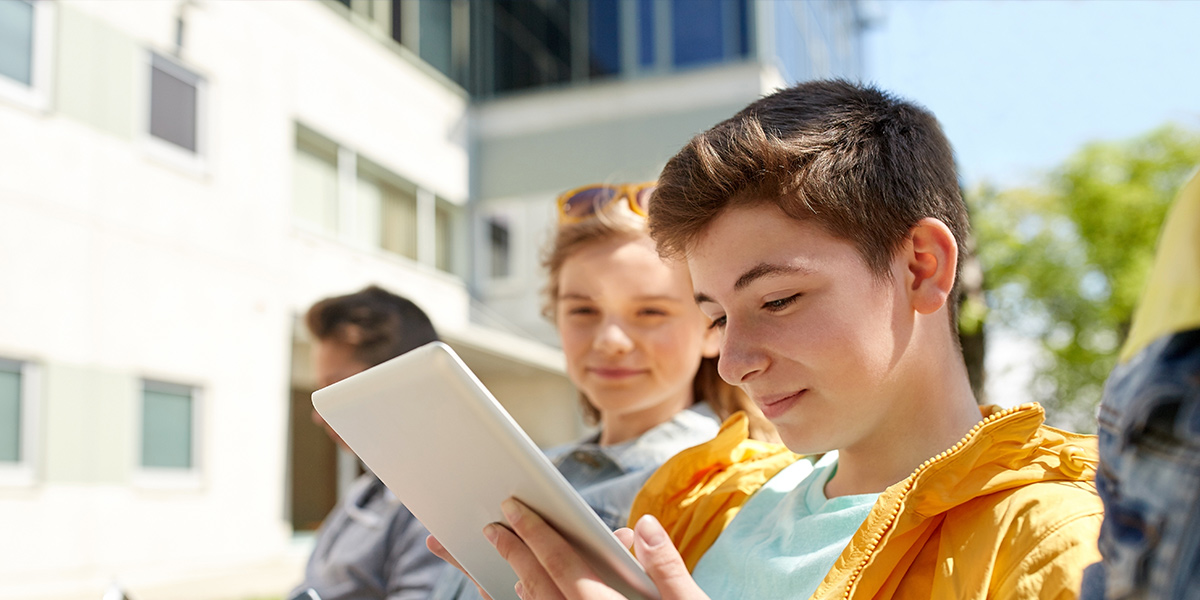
569 93
179 180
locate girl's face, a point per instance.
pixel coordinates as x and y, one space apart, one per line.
631 332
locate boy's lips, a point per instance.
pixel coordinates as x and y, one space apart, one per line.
775 406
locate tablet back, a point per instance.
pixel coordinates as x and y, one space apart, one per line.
438 439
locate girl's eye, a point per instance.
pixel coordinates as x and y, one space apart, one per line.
581 310
780 304
652 312
718 323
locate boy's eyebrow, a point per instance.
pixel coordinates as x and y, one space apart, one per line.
755 273
766 270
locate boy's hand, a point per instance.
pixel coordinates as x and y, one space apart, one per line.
549 568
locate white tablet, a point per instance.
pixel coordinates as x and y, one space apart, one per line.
427 427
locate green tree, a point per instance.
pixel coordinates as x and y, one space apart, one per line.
1065 261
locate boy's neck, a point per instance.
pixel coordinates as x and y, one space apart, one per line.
933 411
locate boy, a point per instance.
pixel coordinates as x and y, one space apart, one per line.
822 227
370 545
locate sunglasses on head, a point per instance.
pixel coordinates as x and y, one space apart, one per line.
584 203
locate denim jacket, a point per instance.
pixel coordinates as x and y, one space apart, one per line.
608 477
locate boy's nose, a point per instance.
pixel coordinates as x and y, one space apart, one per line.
740 360
613 339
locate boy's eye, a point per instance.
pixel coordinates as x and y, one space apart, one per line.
718 323
781 303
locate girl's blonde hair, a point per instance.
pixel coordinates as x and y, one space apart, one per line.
707 385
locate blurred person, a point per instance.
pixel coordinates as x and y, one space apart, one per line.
1149 425
822 226
370 545
637 347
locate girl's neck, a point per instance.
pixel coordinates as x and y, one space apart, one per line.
623 427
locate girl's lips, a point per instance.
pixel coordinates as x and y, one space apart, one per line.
615 373
775 407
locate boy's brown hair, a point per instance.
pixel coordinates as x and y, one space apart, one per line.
379 324
863 164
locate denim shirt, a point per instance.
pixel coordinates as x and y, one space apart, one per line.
371 546
608 477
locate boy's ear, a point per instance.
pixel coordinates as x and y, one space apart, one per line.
931 261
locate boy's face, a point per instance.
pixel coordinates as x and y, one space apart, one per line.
807 331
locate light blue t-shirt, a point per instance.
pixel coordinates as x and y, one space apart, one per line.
785 539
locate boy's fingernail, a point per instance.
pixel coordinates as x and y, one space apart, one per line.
491 531
519 589
511 510
650 531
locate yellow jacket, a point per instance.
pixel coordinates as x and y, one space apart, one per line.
1010 511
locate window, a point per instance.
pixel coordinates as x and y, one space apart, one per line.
554 42
604 40
337 192
175 94
500 250
17 421
446 219
168 426
397 219
532 43
25 29
708 31
11 413
315 182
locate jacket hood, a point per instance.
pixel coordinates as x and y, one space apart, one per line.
1171 300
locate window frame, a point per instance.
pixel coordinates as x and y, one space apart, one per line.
37 94
196 162
23 473
168 477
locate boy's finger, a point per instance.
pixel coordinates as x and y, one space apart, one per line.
535 582
441 552
625 536
663 564
556 556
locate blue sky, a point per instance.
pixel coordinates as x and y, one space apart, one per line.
1018 86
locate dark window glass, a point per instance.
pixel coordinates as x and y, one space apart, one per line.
707 31
646 41
604 41
173 103
16 41
743 33
532 43
498 239
397 19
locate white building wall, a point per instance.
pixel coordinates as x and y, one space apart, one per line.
119 263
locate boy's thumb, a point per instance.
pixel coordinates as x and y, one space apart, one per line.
662 561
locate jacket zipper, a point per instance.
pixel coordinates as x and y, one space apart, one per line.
908 484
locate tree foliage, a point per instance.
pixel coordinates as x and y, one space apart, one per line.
1065 261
